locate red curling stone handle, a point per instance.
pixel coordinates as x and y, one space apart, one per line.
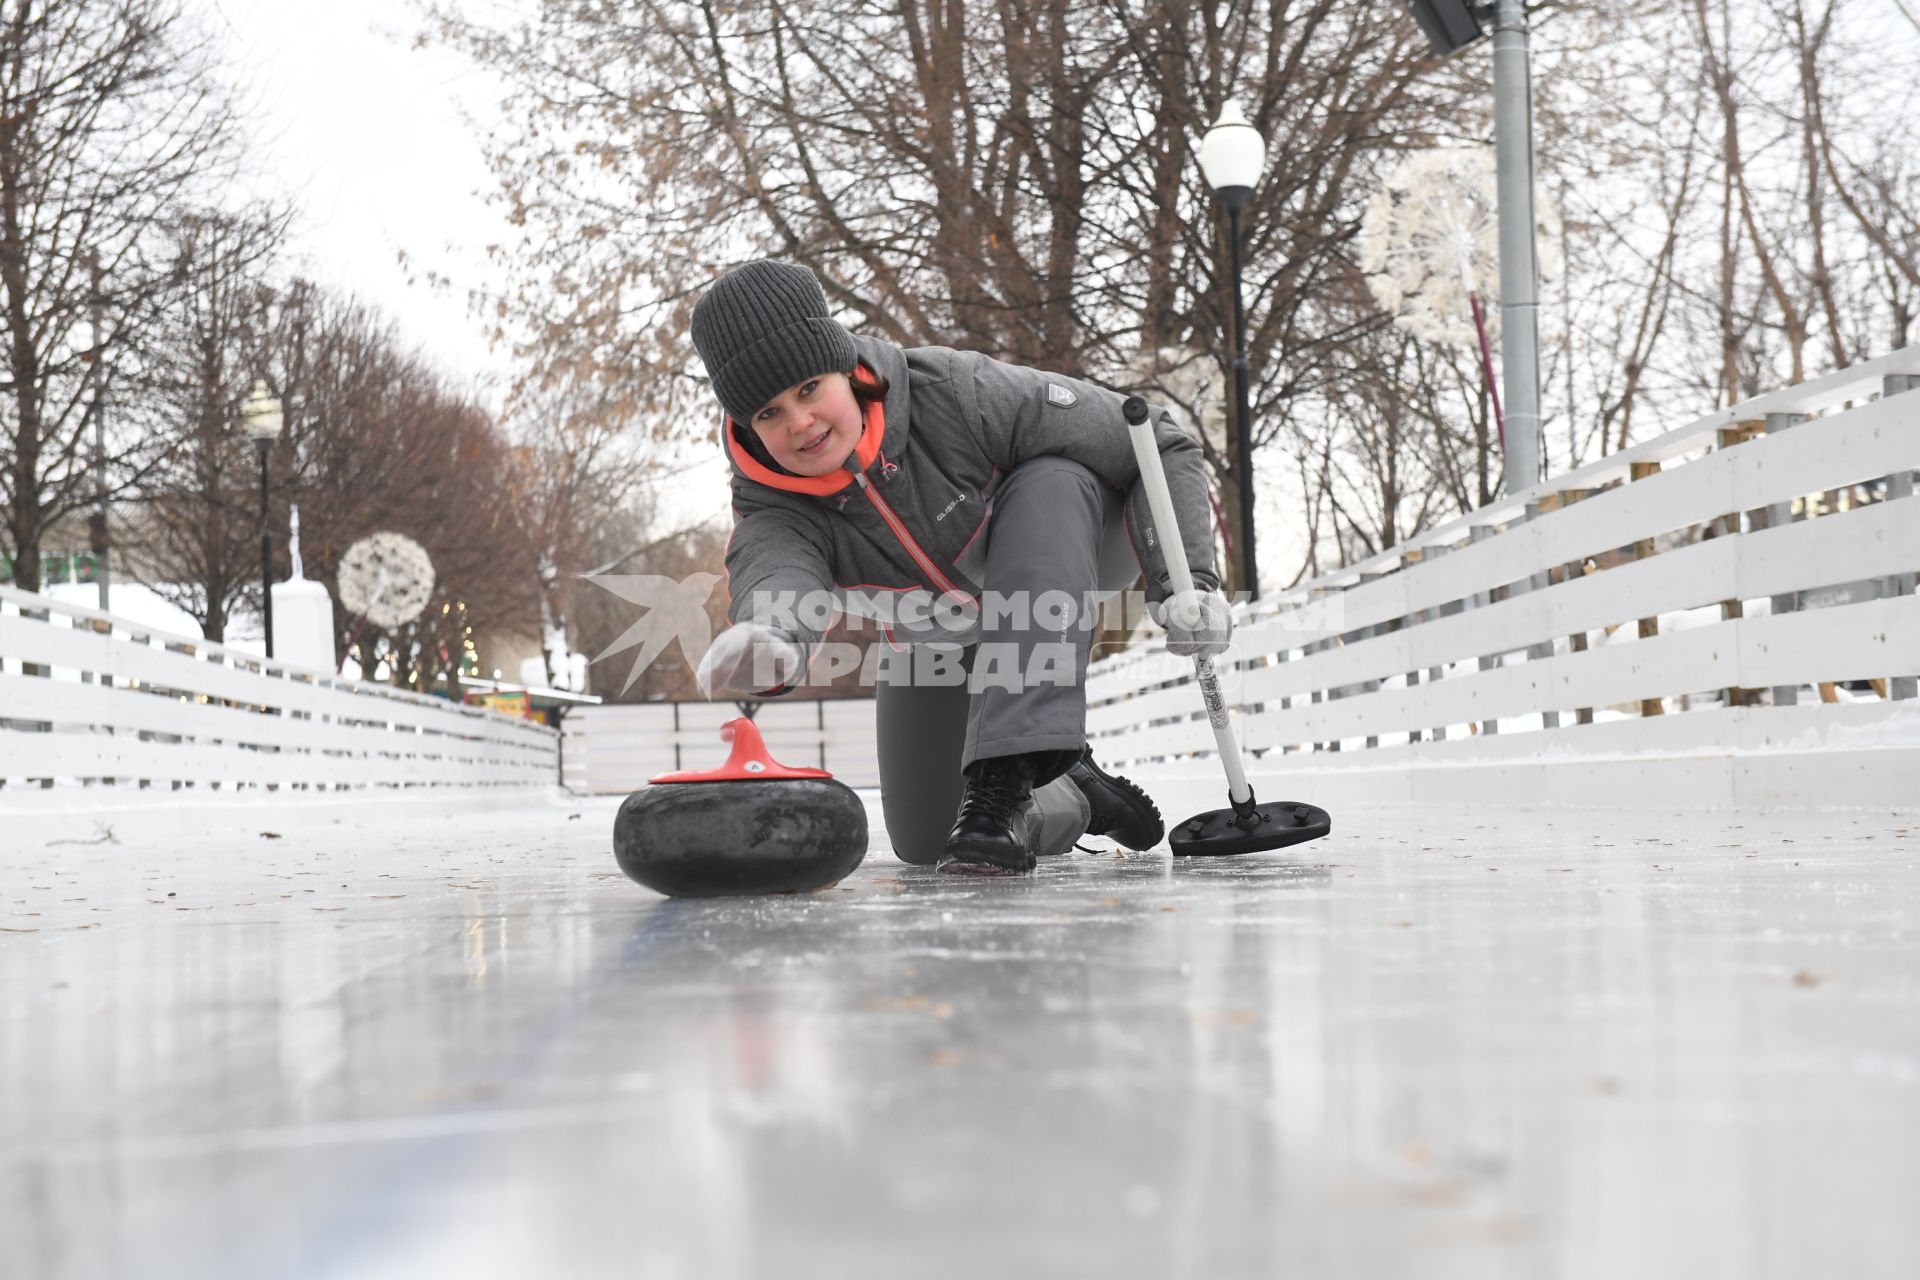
748 763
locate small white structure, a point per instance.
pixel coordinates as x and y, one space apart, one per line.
302 616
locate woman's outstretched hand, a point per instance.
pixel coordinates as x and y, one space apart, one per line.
1199 623
748 658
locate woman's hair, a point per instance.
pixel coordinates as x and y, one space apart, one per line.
874 392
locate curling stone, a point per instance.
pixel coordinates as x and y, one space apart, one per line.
753 825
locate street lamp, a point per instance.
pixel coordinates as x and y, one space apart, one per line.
263 417
1450 25
1231 156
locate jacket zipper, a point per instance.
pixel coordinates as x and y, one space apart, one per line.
906 540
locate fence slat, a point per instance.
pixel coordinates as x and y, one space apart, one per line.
129 711
1868 541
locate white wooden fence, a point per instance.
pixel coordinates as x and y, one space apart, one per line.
97 712
1722 614
612 749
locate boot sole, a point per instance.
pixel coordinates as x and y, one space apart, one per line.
961 867
960 859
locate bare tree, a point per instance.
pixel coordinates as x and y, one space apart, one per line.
376 441
1400 437
1022 181
574 471
1736 179
108 117
195 537
1017 180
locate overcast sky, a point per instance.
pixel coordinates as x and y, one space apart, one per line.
363 134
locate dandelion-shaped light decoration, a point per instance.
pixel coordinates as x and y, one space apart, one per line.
386 579
1430 245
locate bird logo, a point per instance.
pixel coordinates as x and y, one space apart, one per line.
676 609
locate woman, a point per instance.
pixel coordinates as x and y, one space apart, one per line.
960 499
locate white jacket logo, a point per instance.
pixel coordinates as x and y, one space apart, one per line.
1059 395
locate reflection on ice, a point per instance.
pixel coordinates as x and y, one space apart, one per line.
1609 1044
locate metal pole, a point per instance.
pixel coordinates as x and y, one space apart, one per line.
1153 477
266 548
1243 440
100 546
1519 265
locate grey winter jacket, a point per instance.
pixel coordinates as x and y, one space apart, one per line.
906 512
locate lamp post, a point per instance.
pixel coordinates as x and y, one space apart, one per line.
263 418
1450 26
1231 156
98 539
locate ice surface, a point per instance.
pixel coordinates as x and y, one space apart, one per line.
1471 1043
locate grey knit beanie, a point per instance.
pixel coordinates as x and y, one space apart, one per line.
763 327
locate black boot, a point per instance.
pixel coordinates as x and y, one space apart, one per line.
987 838
1121 810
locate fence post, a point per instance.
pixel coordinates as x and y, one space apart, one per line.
1576 643
1368 633
1541 651
1279 657
1900 485
1480 600
28 670
1728 526
1408 560
1643 550
1434 614
1780 514
1318 696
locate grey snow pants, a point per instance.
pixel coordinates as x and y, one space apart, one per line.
1055 528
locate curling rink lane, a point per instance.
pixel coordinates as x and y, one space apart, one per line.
1461 1043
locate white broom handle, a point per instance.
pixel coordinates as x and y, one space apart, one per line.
1166 529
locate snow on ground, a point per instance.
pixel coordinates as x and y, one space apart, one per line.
130 601
1473 1043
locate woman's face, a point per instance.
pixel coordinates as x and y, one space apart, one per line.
812 426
